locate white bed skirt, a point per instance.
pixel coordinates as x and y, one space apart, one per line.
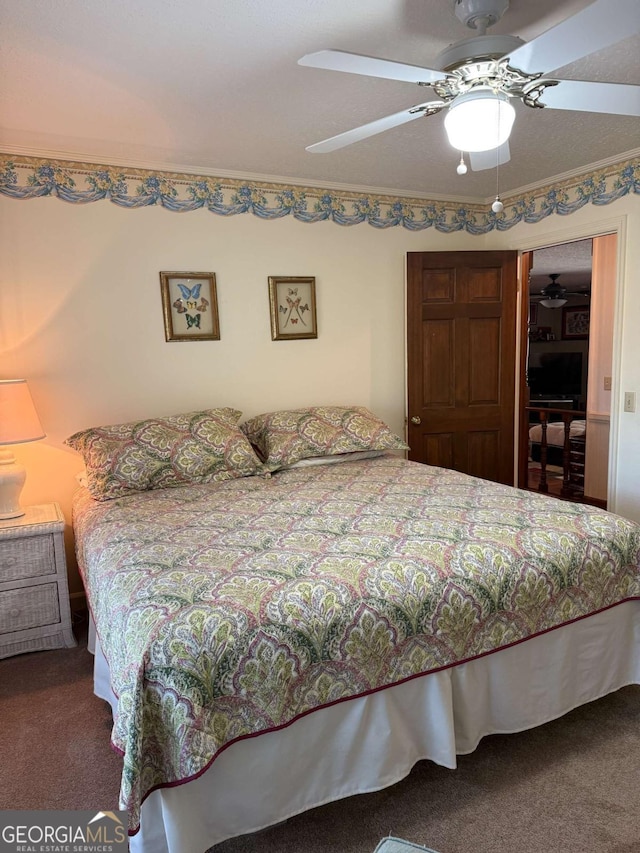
369 743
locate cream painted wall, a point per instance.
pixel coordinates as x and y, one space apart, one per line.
81 319
622 217
604 278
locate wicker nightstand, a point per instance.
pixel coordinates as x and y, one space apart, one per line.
34 594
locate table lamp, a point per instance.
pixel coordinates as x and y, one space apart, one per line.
19 423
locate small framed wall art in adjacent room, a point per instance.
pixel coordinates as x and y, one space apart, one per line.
575 323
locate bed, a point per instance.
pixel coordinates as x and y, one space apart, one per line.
273 641
555 434
556 460
555 439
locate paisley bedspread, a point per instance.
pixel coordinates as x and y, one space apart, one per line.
229 609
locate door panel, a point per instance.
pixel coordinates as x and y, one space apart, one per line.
461 360
484 453
438 448
484 362
437 348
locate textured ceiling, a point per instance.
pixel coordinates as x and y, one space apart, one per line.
572 261
214 85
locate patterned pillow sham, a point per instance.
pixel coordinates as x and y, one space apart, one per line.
283 438
197 447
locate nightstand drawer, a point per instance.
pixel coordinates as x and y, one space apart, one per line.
34 596
29 607
27 558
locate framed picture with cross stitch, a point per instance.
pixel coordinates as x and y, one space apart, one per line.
292 300
575 322
190 306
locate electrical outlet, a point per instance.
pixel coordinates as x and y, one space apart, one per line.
629 401
607 383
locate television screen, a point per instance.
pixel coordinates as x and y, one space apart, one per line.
556 374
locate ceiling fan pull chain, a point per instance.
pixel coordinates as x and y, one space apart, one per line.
498 206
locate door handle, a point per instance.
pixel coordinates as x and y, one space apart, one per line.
416 420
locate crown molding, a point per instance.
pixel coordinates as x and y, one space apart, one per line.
284 180
566 177
226 174
82 182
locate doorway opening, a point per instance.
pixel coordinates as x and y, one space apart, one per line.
566 403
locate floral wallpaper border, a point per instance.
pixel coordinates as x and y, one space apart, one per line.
81 183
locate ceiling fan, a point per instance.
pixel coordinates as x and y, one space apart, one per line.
477 78
555 296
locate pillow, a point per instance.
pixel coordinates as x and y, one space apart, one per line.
283 438
198 447
339 457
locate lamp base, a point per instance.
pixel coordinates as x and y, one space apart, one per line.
8 516
12 477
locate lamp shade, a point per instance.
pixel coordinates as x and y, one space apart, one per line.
479 120
19 421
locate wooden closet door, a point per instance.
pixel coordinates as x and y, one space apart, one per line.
461 335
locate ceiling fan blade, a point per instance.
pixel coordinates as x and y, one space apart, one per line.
355 63
566 294
479 160
373 127
618 98
599 25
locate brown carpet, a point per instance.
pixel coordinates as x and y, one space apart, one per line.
54 733
571 786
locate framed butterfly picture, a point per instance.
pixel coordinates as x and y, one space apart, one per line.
292 300
190 306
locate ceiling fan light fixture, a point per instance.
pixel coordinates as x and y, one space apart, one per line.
479 120
553 303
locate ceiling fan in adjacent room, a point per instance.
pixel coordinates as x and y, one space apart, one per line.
477 79
555 296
